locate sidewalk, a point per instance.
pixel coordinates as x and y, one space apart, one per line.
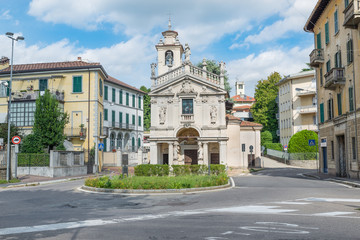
327 177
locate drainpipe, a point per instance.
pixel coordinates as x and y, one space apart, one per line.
354 90
88 137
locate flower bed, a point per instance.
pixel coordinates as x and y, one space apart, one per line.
163 182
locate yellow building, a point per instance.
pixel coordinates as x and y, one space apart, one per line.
77 85
335 24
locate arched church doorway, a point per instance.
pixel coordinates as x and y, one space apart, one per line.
190 148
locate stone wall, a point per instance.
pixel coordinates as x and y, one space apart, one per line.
2 173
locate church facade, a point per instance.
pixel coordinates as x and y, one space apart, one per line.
188 115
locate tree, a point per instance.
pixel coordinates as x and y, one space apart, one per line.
14 131
299 142
32 144
265 108
50 121
147 108
266 137
213 67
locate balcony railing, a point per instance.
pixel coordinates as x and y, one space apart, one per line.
316 57
187 118
118 125
33 95
307 109
306 93
311 127
335 77
352 14
75 133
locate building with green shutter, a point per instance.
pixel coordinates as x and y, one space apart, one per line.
335 24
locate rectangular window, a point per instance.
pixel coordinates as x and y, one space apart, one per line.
139 121
327 39
127 99
332 150
101 130
139 100
43 84
106 93
336 24
351 99
328 66
101 87
77 84
121 97
133 100
338 59
187 106
127 118
113 118
22 113
353 144
133 119
346 3
349 51
120 117
321 77
113 95
105 114
318 41
339 102
330 108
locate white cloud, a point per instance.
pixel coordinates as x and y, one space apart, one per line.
128 61
5 15
292 20
253 68
199 22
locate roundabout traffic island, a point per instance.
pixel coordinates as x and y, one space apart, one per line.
156 179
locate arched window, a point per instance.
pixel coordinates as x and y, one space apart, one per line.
119 141
112 141
169 58
139 142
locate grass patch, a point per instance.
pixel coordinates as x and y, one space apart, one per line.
163 182
15 180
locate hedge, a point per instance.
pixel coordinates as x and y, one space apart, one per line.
299 142
151 170
274 146
33 160
215 169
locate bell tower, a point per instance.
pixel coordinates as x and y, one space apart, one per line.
169 51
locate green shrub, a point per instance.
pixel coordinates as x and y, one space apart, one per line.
32 144
33 160
266 137
181 170
274 146
151 170
299 142
164 182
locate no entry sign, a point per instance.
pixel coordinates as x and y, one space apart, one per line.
16 140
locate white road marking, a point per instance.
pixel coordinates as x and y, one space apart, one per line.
333 213
274 230
253 209
292 203
284 225
314 199
237 233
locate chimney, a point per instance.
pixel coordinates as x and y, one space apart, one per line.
4 62
79 59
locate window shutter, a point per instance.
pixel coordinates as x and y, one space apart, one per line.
318 40
336 26
339 104
121 97
351 99
327 39
105 114
106 92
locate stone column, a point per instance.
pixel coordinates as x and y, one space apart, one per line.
223 146
200 154
206 153
154 153
171 153
176 157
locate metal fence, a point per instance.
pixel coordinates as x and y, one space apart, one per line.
33 160
293 156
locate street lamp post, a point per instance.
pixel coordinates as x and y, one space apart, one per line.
11 36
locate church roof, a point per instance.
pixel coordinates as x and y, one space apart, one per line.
250 124
241 107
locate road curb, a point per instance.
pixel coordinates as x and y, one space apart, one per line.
32 184
151 191
352 184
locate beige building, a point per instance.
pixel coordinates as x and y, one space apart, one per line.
336 59
297 105
188 121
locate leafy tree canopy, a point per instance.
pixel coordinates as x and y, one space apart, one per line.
266 137
14 131
299 142
265 108
147 108
213 67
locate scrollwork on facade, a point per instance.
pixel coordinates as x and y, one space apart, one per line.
186 87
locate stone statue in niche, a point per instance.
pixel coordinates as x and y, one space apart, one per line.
213 114
169 58
200 151
187 53
153 66
162 115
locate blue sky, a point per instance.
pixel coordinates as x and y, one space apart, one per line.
254 38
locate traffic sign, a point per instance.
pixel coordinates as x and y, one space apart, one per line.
285 147
251 148
311 142
15 139
101 146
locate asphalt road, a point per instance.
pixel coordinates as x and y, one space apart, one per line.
271 204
